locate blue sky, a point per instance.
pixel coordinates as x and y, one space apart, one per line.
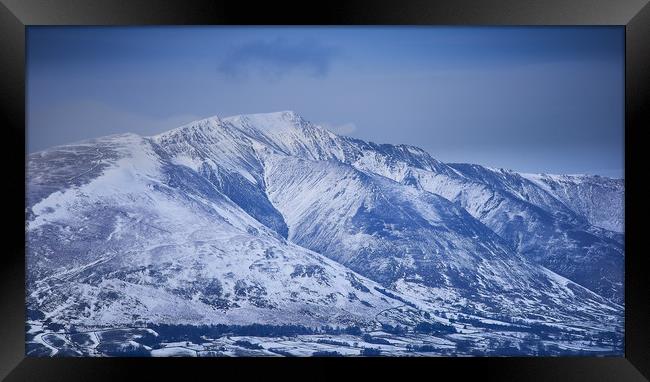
542 99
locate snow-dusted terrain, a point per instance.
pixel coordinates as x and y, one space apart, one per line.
266 234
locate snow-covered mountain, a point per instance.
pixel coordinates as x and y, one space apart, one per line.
600 200
268 218
540 226
558 229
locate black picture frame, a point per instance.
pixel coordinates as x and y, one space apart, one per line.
15 15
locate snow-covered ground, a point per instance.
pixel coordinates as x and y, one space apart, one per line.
469 340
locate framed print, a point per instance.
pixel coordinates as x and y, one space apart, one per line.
387 188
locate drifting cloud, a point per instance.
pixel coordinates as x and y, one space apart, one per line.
343 129
278 58
71 121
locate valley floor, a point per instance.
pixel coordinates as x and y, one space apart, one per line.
146 342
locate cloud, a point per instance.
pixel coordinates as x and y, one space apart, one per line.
70 121
343 129
278 57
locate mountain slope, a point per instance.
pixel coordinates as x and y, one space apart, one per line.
295 155
147 240
551 228
599 199
397 235
539 226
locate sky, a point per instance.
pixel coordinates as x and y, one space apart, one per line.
531 99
